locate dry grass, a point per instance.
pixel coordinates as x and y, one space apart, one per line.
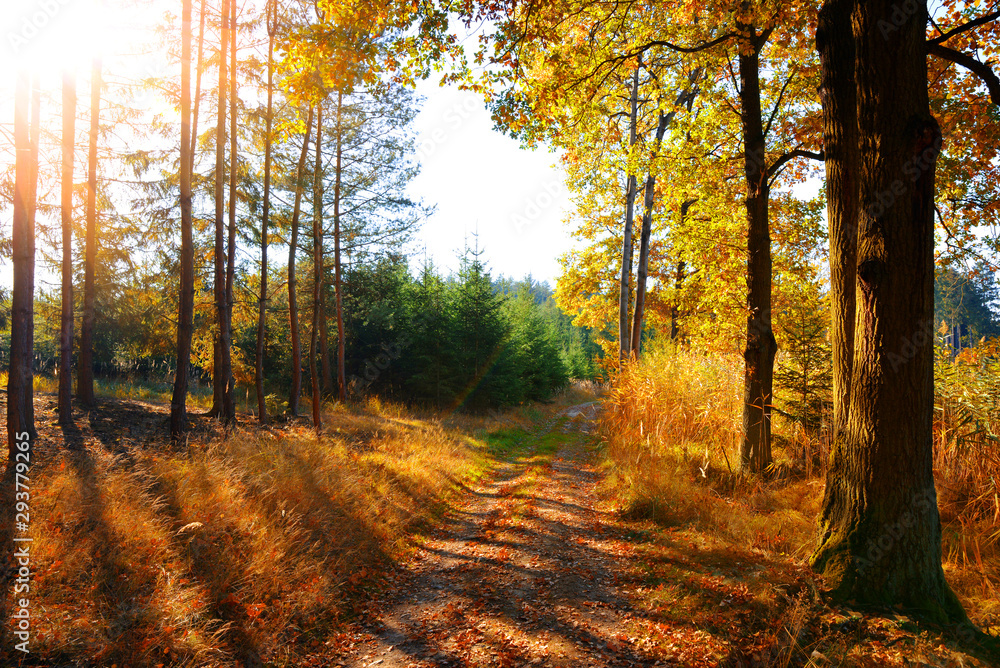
253 546
671 429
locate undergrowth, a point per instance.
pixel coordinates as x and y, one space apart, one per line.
670 432
251 548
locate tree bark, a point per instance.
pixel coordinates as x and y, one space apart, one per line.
197 85
20 410
65 398
325 365
341 375
649 199
675 307
624 337
222 397
185 319
293 307
272 27
835 44
229 404
755 449
880 533
317 267
663 122
85 374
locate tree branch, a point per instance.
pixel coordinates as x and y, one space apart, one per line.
965 27
982 70
777 103
791 155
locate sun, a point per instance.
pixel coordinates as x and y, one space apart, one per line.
48 36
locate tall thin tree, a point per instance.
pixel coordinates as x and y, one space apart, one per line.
20 410
761 346
229 404
85 372
65 399
341 375
624 337
222 397
293 246
185 319
272 29
197 85
317 266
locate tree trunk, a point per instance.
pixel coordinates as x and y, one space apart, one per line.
197 85
675 307
835 44
222 398
317 266
85 374
341 376
65 399
647 227
630 188
649 195
880 534
185 320
755 449
229 404
293 306
325 366
272 19
20 410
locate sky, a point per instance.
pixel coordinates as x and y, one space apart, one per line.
485 184
481 182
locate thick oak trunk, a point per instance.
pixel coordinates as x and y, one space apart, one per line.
185 319
293 306
20 411
85 373
65 398
755 449
880 534
835 44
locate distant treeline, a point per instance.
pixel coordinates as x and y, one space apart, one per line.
464 340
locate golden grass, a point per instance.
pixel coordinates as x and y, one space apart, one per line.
257 544
671 430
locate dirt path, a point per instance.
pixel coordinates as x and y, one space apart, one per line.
528 573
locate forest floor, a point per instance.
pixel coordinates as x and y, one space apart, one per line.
534 563
537 567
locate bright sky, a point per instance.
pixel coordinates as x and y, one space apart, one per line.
482 181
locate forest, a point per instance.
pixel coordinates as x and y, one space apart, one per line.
753 421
